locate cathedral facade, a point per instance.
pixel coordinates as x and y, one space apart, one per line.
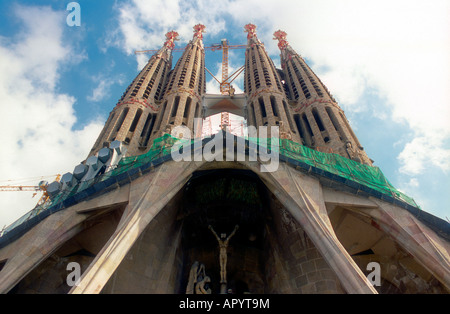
131 219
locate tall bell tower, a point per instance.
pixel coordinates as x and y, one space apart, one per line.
133 119
320 122
182 100
267 103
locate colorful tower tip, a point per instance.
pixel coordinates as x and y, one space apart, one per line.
281 37
199 29
251 30
170 38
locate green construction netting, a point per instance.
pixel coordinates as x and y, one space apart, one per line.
161 147
369 176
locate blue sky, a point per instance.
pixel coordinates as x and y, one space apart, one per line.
385 62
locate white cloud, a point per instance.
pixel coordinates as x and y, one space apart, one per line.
100 91
35 119
422 153
143 24
104 87
414 182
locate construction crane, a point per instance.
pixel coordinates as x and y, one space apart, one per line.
41 187
225 121
225 84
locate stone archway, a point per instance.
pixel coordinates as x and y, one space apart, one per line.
270 252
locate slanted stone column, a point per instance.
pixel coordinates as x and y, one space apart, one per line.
416 238
148 195
302 196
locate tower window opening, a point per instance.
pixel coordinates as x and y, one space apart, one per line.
300 128
135 120
160 115
197 109
187 107
318 119
120 121
335 123
145 130
251 118
289 117
175 106
262 107
274 106
150 129
307 127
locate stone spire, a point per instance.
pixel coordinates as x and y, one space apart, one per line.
267 103
133 118
185 87
320 121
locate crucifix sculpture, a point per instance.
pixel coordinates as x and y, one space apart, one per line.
223 245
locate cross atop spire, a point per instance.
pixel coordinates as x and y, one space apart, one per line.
199 29
170 38
281 37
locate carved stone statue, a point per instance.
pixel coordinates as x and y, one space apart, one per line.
167 129
223 245
198 280
200 287
231 91
284 131
352 153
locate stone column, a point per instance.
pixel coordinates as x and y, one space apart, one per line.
148 195
302 197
